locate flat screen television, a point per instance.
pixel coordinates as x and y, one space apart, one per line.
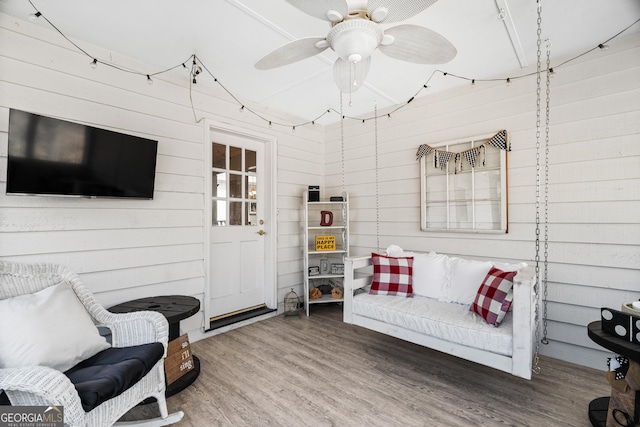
50 156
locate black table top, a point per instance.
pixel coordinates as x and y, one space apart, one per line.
610 342
173 307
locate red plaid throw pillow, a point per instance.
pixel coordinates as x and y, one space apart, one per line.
494 296
392 275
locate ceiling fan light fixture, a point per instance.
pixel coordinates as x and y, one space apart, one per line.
334 16
355 40
379 14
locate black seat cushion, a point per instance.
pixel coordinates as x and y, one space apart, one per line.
112 371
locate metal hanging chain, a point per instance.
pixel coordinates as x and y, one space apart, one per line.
375 121
546 197
536 358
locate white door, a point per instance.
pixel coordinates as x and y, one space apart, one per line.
239 194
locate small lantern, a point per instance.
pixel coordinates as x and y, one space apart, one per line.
291 304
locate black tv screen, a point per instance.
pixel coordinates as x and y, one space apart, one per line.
57 157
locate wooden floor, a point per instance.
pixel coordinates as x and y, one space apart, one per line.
318 371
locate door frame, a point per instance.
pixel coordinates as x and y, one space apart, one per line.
270 211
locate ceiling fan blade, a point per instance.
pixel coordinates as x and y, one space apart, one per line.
350 76
319 8
292 52
396 10
420 45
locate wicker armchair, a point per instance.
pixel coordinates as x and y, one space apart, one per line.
44 386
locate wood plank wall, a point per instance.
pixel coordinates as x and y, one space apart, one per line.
126 249
594 177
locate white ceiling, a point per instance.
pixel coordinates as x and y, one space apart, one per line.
230 36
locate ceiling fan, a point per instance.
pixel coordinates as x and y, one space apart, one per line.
357 31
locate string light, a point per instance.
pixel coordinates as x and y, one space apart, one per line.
197 69
473 83
293 129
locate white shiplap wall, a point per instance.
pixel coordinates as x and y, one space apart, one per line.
594 195
129 249
126 249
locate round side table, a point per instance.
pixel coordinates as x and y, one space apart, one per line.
598 408
174 308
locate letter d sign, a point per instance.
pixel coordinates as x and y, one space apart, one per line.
326 218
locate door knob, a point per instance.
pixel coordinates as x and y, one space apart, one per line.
262 232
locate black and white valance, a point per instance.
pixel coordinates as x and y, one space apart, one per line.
472 156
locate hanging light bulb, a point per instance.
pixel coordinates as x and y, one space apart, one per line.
94 63
603 46
508 81
242 108
149 81
293 129
552 73
34 16
270 124
473 83
389 116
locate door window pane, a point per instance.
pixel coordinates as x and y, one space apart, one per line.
235 158
235 186
251 187
219 187
235 213
250 161
219 152
250 213
219 212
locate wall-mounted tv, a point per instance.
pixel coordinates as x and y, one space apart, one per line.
50 156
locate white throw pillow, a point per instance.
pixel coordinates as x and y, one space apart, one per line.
49 328
395 251
465 279
509 267
431 275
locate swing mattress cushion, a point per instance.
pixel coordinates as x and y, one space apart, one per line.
440 319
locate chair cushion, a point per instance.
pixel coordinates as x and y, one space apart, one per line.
112 371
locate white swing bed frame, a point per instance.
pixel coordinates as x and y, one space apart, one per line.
523 310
